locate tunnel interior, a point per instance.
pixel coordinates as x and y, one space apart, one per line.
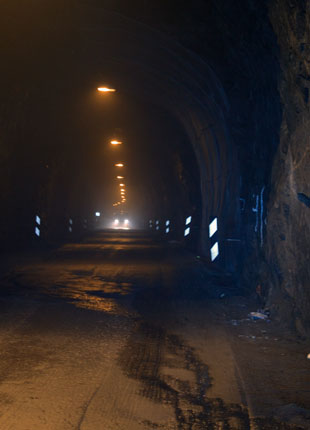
211 113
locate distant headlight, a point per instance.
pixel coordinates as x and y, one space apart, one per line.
126 222
116 221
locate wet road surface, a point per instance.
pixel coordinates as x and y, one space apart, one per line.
111 334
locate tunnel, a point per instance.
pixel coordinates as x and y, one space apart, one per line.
182 125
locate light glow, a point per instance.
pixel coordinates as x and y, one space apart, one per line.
97 213
116 142
213 227
106 90
120 177
38 220
188 220
187 231
121 225
37 231
119 165
121 185
167 230
167 222
214 251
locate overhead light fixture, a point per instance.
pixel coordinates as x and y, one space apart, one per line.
119 165
106 90
116 142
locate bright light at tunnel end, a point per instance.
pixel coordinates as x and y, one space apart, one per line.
121 225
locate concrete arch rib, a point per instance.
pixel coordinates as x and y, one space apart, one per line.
156 67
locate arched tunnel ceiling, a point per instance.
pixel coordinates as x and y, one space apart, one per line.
83 46
146 64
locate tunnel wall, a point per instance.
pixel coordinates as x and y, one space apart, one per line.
286 273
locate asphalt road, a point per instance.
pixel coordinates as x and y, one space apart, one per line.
114 334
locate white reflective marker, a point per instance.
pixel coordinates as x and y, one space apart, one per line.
70 221
187 231
157 228
97 213
214 251
167 222
70 229
37 231
213 227
157 222
167 230
188 220
38 220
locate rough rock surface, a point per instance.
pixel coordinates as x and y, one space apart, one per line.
288 223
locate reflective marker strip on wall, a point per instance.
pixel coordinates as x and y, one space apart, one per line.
167 230
213 227
187 222
213 235
38 222
167 222
214 251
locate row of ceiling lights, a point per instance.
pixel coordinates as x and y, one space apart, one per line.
118 165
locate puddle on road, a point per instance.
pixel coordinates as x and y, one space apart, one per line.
80 288
93 292
172 374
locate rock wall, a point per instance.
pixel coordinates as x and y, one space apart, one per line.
287 272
